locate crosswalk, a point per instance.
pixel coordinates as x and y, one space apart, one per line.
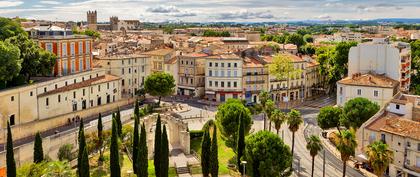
320 102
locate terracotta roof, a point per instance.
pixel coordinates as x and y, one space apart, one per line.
159 52
195 55
171 61
403 127
86 83
225 56
370 80
252 63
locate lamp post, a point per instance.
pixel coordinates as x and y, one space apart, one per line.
244 165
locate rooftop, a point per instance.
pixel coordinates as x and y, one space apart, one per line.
396 124
159 52
97 80
370 80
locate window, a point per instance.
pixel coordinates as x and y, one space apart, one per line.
12 98
74 95
65 67
223 64
45 89
59 98
359 91
84 104
55 86
191 81
235 73
228 84
397 106
122 71
80 65
31 93
228 65
222 73
49 47
83 92
216 73
73 66
216 84
80 48
74 106
12 120
216 64
408 144
72 49
222 84
129 70
228 73
107 85
182 62
210 83
375 93
418 146
87 63
47 102
235 65
64 49
88 47
210 64
234 84
99 88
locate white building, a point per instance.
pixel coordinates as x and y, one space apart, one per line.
393 60
223 77
344 37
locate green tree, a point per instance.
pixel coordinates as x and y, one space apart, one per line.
357 111
119 123
283 68
65 152
57 169
136 109
214 159
415 66
240 144
294 119
10 157
84 170
142 159
115 154
313 146
227 118
160 84
379 157
296 39
308 38
100 138
136 140
269 108
10 61
329 117
346 144
267 155
264 97
165 154
82 147
9 28
205 153
307 49
158 143
38 151
278 117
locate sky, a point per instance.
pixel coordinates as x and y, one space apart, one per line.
211 10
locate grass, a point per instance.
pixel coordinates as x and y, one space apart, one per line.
224 153
151 170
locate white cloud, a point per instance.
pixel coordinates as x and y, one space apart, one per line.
10 3
323 16
163 9
245 14
50 2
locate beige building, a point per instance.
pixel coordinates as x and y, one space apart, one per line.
254 79
49 104
162 60
223 77
131 68
398 125
191 74
313 79
377 88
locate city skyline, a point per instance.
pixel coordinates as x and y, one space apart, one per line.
211 11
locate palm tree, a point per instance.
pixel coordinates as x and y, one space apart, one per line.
294 120
278 117
346 144
269 108
58 169
314 146
379 157
264 96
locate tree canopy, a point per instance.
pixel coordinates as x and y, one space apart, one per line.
9 28
227 118
282 67
160 84
267 155
10 61
329 117
357 111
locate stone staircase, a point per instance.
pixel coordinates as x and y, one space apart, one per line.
182 170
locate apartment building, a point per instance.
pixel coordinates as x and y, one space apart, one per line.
348 37
74 52
191 74
49 104
313 78
255 79
131 68
223 75
162 60
234 44
397 124
291 89
382 57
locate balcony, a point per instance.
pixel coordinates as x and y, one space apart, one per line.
256 73
255 82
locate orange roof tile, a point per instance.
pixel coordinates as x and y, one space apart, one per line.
371 80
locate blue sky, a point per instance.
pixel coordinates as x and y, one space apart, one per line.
211 10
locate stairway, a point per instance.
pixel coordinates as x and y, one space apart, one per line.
182 170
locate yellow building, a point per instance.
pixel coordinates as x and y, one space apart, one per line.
191 74
254 79
162 60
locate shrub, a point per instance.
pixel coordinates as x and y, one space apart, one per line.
196 133
65 152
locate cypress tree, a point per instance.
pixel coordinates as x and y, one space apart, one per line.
100 137
157 152
142 154
214 159
10 157
136 109
165 154
115 154
38 151
240 143
135 143
84 170
118 119
205 154
82 147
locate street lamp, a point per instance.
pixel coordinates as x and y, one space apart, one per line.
244 164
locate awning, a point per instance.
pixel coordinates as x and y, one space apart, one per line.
210 92
362 158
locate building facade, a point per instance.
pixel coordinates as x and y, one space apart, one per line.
254 79
191 74
74 52
223 77
92 20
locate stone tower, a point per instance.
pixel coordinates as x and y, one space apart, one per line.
92 19
114 23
